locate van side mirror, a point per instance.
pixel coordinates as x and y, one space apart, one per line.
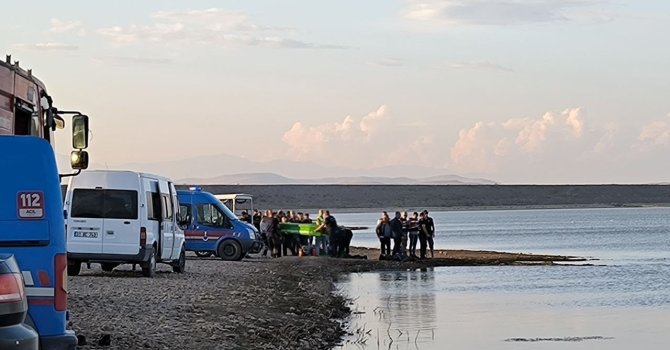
80 132
79 160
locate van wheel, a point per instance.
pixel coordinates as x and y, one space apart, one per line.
203 253
180 265
73 268
149 268
108 267
230 250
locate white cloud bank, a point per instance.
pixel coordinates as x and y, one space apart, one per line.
214 26
481 148
504 12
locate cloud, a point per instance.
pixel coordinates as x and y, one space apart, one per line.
305 141
389 62
59 26
125 60
656 133
478 65
482 147
502 12
49 46
213 26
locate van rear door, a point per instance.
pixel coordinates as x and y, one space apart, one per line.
121 233
85 223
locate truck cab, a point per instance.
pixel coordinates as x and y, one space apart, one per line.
32 230
212 229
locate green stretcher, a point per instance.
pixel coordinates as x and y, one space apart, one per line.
299 229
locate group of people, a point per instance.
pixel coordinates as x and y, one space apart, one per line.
330 238
419 228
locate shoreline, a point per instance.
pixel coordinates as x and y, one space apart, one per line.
258 303
486 208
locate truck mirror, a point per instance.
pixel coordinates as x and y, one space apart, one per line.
79 160
80 132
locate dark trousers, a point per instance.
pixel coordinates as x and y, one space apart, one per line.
386 245
397 245
413 239
335 244
288 243
422 244
429 238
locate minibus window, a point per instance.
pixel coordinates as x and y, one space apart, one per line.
104 204
87 203
120 204
153 206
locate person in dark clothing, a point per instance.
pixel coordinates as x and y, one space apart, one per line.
256 219
288 241
413 229
396 227
347 235
430 233
245 216
422 235
334 232
270 229
384 233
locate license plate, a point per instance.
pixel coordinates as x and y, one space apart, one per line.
86 234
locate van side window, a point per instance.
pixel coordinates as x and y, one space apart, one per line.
167 207
184 213
153 206
210 215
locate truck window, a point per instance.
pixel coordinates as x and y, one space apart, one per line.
104 204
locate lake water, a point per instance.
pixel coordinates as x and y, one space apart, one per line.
621 303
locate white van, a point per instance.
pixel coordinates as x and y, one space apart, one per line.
117 217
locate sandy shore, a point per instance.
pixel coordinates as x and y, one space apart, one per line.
258 303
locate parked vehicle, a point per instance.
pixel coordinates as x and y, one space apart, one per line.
212 229
237 202
33 231
118 217
14 334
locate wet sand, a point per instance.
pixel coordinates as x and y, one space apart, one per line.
258 303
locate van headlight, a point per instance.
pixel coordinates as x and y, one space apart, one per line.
252 234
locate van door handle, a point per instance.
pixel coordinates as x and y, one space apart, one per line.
110 232
126 222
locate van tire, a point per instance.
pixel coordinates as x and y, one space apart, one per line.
203 253
73 268
230 250
108 267
149 268
180 265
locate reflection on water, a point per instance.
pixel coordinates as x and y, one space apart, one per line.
506 307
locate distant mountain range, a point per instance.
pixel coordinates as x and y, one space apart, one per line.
208 169
275 179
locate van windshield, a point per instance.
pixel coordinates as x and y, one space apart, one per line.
226 211
104 204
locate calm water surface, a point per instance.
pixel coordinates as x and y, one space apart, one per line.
622 303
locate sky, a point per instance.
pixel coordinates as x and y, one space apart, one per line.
516 91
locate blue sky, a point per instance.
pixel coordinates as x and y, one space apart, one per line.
535 91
